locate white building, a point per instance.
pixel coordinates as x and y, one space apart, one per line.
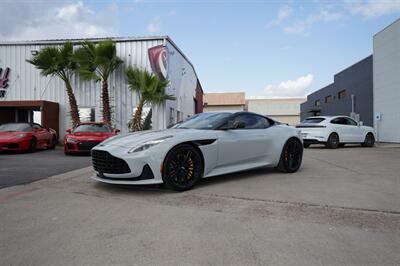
22 86
284 110
224 101
386 87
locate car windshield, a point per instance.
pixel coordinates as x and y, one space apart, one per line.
203 121
314 120
16 127
92 128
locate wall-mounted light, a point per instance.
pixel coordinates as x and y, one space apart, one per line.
34 52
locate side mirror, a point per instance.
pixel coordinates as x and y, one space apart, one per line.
69 131
239 125
117 131
361 123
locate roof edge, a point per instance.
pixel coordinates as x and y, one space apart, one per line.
60 41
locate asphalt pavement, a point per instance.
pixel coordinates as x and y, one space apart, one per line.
22 168
341 208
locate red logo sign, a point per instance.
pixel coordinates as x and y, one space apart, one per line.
3 81
158 56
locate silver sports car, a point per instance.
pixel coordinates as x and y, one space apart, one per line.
205 145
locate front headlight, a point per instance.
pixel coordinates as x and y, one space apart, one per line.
22 135
148 144
72 140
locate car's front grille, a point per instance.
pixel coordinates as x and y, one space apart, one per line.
104 162
87 145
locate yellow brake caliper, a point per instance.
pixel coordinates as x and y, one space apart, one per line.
191 168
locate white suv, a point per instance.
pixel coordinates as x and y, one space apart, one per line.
335 131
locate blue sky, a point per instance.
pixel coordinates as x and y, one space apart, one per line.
265 48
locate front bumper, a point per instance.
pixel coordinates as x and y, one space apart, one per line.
80 147
17 145
130 168
125 181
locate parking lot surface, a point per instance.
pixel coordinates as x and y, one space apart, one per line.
342 207
22 168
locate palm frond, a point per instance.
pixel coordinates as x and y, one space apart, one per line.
150 88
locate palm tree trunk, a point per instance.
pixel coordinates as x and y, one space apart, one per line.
106 103
72 105
137 118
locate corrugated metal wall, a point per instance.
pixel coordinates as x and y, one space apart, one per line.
25 82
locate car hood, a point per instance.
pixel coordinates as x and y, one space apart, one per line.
11 134
136 138
95 136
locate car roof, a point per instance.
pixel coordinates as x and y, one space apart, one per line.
92 123
327 116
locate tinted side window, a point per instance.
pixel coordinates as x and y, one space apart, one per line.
339 121
350 122
253 121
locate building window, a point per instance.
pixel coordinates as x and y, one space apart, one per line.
328 99
86 114
317 103
171 116
342 94
179 116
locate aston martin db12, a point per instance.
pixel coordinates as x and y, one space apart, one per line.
205 145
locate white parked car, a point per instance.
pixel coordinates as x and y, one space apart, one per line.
335 131
205 145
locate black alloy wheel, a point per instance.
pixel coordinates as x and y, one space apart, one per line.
306 145
291 157
32 145
369 140
333 141
182 168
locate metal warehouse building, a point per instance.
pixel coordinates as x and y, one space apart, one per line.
25 95
349 94
368 90
387 83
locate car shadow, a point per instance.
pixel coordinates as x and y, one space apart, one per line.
233 177
137 189
20 152
161 189
79 154
322 147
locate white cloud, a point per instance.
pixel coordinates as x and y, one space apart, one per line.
155 25
55 19
373 8
172 13
283 13
324 15
298 87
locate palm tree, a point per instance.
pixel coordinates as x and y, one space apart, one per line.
149 88
57 61
97 62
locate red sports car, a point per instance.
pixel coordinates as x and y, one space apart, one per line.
26 137
85 136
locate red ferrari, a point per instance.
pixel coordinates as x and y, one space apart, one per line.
85 136
26 137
